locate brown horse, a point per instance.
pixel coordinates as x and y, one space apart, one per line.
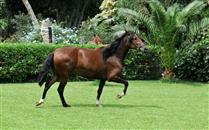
103 63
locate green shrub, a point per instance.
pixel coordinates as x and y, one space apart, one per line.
64 34
23 62
142 65
193 62
22 25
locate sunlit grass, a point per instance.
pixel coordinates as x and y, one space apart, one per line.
148 105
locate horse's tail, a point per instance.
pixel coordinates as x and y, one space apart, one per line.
47 65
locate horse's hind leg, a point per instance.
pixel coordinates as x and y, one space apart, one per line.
99 91
48 84
60 90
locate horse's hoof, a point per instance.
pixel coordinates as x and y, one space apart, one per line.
120 95
66 105
39 103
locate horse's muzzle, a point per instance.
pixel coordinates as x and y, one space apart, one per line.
143 49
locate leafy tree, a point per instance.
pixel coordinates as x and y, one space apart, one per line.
165 27
2 11
4 23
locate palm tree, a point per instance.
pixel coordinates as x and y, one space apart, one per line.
167 27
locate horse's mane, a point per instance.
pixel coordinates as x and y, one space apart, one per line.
112 48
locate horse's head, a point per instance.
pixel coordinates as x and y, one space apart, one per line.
133 41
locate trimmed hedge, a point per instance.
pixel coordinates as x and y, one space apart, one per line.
23 62
142 65
193 62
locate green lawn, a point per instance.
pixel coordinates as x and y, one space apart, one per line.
148 105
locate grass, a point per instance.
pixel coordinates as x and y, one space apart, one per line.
148 105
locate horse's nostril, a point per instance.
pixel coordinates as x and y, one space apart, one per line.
142 48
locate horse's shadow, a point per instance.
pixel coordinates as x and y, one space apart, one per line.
117 106
121 106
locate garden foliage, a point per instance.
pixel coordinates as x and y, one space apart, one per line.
193 62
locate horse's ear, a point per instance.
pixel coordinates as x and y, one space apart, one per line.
130 37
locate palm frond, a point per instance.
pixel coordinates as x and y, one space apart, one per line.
127 12
122 27
158 13
191 9
194 7
109 20
140 17
172 10
171 15
196 27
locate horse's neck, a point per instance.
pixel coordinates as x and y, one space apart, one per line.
122 52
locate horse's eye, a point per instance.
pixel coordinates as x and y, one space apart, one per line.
142 40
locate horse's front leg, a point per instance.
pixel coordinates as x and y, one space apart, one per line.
125 82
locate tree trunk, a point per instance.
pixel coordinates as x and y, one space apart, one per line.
72 18
168 74
30 12
82 12
76 17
